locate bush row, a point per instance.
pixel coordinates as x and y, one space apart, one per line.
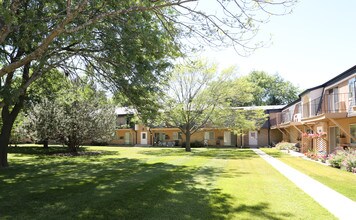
343 159
287 146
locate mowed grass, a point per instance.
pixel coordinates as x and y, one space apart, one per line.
341 181
149 183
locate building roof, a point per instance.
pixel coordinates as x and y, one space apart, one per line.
265 107
337 78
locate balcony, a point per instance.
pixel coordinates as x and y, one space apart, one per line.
311 108
280 118
331 104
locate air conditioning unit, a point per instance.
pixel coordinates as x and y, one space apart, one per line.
297 117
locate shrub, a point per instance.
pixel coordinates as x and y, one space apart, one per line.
337 157
99 143
322 158
194 144
349 162
197 144
284 146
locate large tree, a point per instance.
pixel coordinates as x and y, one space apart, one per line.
127 44
197 97
190 101
80 114
271 89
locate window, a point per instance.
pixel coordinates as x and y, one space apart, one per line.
253 134
116 136
353 133
209 135
160 136
177 136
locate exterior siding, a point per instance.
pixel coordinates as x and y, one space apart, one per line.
120 137
262 136
276 136
140 129
168 135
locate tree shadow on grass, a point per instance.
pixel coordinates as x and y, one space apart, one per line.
37 150
262 211
119 188
52 150
204 152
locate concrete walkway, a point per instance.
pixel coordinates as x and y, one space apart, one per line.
337 204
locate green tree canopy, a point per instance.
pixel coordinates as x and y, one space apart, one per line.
125 45
271 89
197 97
80 113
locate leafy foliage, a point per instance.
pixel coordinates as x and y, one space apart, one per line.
125 45
241 120
198 97
78 116
344 159
349 163
285 146
271 89
336 158
192 97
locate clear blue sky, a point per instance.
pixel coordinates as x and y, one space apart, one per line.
310 46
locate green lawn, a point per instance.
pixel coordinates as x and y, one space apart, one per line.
341 181
149 183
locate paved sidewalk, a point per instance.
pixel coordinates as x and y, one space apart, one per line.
337 204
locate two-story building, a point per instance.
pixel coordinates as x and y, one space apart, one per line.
129 133
323 117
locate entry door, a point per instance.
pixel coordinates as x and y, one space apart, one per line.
227 138
252 138
143 137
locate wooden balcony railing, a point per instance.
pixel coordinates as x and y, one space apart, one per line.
329 103
280 118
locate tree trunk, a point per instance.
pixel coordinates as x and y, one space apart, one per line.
10 112
45 143
4 141
8 122
72 147
187 142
